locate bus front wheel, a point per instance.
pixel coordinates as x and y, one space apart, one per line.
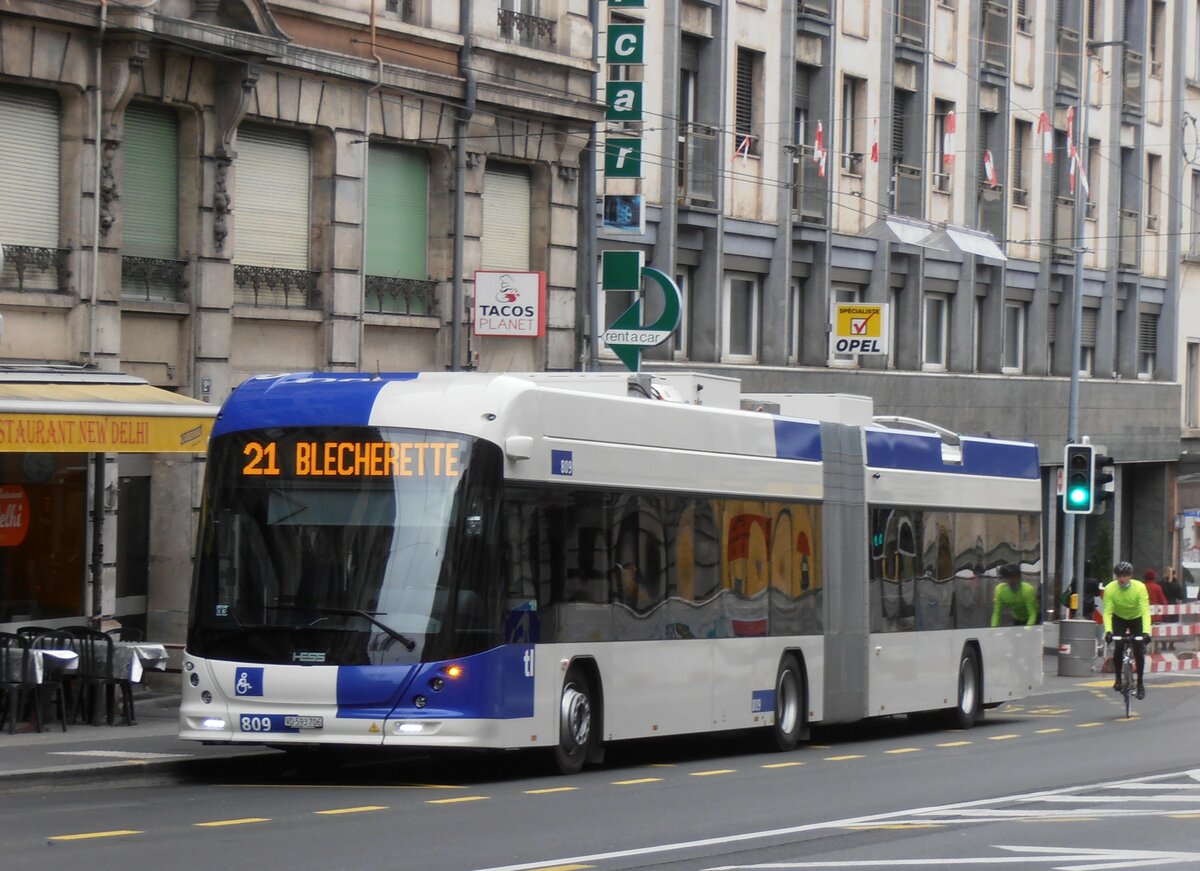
970 691
576 716
789 705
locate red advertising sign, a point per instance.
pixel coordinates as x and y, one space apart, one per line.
14 515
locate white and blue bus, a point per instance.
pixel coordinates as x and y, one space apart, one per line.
564 560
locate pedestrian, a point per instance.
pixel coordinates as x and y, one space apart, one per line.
1154 591
1172 589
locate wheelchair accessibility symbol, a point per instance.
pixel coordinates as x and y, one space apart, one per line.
248 682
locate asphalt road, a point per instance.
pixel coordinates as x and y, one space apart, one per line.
1059 781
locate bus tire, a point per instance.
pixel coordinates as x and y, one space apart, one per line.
969 709
576 721
790 705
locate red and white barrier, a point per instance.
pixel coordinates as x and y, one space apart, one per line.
1188 630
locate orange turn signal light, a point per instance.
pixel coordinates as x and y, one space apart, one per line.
454 672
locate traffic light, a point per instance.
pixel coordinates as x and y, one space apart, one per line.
1102 482
1078 466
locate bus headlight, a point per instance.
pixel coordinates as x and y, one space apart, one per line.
213 723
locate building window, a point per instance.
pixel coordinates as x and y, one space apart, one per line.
740 343
1153 192
795 324
398 231
1022 159
679 339
1095 177
1024 21
1147 345
1087 342
1195 243
911 22
934 332
272 227
507 204
521 21
844 294
747 109
150 194
854 96
29 190
1192 396
943 146
1158 36
1014 338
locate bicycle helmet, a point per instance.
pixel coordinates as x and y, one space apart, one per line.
1123 568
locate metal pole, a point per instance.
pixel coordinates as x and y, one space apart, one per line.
1068 548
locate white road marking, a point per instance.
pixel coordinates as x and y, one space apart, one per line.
911 815
1078 858
118 754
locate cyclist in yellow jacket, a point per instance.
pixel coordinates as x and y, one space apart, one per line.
1126 610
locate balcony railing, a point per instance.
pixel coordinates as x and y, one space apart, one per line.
1068 59
403 296
810 189
274 288
528 30
1063 231
1130 239
149 278
1131 82
29 268
697 164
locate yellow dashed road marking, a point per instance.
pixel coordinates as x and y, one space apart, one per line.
1048 731
85 835
362 810
1003 737
904 750
242 822
897 826
636 781
714 771
1184 816
782 764
955 744
565 867
842 758
457 800
1061 820
1087 725
550 790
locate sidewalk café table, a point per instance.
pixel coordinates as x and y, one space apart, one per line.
132 658
43 662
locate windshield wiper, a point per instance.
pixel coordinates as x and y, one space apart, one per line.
369 616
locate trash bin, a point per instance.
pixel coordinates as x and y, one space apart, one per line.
1076 647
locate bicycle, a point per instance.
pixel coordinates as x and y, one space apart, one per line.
1127 669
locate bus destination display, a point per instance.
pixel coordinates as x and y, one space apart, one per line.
342 459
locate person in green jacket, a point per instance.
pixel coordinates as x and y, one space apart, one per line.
1127 612
1016 597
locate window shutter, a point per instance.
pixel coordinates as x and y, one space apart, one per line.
689 54
744 95
150 187
397 212
1087 328
271 200
801 87
506 208
28 168
1052 324
1147 341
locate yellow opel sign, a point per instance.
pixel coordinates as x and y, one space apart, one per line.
860 328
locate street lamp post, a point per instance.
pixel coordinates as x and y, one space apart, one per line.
1068 548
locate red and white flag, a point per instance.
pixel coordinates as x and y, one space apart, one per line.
989 168
875 143
948 141
743 148
1047 133
819 150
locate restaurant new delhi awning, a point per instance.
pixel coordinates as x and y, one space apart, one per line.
56 411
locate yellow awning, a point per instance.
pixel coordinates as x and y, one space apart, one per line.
100 414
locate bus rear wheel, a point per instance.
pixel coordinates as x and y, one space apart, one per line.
789 705
576 716
969 709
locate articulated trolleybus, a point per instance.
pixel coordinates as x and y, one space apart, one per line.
563 560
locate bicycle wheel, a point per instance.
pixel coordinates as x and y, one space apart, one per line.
1127 682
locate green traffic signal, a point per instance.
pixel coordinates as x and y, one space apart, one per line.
1079 464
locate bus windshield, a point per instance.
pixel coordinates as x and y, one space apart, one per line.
345 546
